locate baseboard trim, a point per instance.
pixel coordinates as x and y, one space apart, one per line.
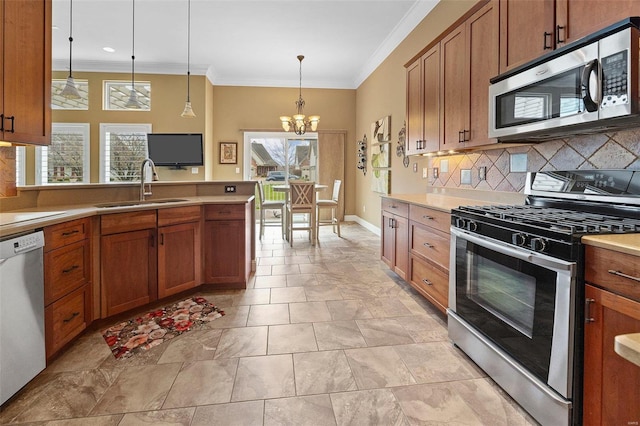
363 223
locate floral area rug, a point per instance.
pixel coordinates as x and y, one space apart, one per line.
153 328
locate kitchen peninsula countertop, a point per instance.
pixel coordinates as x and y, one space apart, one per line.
80 201
624 243
446 199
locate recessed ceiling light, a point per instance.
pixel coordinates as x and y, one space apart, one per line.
108 49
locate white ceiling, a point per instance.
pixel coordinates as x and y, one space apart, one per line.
238 42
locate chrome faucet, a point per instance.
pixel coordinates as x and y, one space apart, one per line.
147 191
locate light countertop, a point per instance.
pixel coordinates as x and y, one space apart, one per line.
448 199
628 347
624 243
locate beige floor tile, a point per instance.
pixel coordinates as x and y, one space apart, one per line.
262 270
271 260
138 389
288 295
383 332
86 354
379 367
203 383
382 307
285 269
338 335
436 362
424 328
303 410
322 372
113 420
291 338
179 416
264 377
297 259
275 280
192 346
369 407
323 292
348 310
239 342
301 280
309 312
252 297
250 413
268 314
313 268
235 316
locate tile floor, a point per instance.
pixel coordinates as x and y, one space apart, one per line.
325 335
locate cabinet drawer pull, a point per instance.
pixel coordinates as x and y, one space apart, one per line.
428 245
1 122
428 217
162 239
426 281
73 315
66 234
623 275
546 46
12 118
66 271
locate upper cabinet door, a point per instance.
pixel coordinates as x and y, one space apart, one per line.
454 83
431 102
526 31
578 18
26 86
414 107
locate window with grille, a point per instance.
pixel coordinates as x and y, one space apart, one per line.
66 159
116 94
122 149
20 162
60 102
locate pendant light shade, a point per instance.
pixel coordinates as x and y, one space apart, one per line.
299 124
70 90
133 103
188 111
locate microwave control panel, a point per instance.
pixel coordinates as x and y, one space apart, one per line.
614 80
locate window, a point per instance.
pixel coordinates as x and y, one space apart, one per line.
20 164
66 159
116 95
60 102
122 149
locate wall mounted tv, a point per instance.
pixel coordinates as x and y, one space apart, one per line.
175 150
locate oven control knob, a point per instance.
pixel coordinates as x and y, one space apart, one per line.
538 244
460 223
519 239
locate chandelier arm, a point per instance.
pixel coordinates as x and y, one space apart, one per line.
70 34
188 49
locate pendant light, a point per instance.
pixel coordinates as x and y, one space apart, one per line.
133 103
70 90
300 123
188 111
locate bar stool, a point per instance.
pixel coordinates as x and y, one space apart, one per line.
332 205
302 200
270 205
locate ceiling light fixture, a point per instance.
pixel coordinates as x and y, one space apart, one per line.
188 111
133 103
70 90
299 123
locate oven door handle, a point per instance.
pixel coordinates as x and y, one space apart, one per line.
533 258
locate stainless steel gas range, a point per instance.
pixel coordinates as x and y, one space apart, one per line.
516 283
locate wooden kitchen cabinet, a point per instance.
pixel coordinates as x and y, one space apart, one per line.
179 250
128 260
611 391
67 282
227 244
469 58
423 103
25 71
394 245
429 242
531 28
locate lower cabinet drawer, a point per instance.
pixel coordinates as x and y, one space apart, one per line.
224 211
65 319
431 281
432 244
65 269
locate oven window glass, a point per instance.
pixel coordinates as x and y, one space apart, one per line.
510 301
557 96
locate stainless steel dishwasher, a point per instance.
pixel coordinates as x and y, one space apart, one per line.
22 350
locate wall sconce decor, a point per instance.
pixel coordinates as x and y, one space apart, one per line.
362 155
400 149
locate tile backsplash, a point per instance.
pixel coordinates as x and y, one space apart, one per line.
620 150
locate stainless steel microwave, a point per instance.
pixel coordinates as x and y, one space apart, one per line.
590 86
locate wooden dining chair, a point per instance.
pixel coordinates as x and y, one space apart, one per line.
331 205
270 205
302 200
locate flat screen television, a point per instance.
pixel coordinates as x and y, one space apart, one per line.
175 150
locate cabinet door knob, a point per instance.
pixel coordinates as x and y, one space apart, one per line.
428 245
426 281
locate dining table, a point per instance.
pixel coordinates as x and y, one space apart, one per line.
285 188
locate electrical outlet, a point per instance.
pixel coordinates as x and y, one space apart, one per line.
482 173
229 188
424 173
435 173
194 170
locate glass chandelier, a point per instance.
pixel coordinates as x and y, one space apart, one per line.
188 111
133 102
70 90
299 123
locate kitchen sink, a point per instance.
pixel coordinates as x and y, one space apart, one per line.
139 203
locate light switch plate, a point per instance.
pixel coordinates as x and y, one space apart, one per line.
482 173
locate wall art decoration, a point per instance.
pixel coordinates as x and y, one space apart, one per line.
381 130
228 153
362 155
380 180
381 155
